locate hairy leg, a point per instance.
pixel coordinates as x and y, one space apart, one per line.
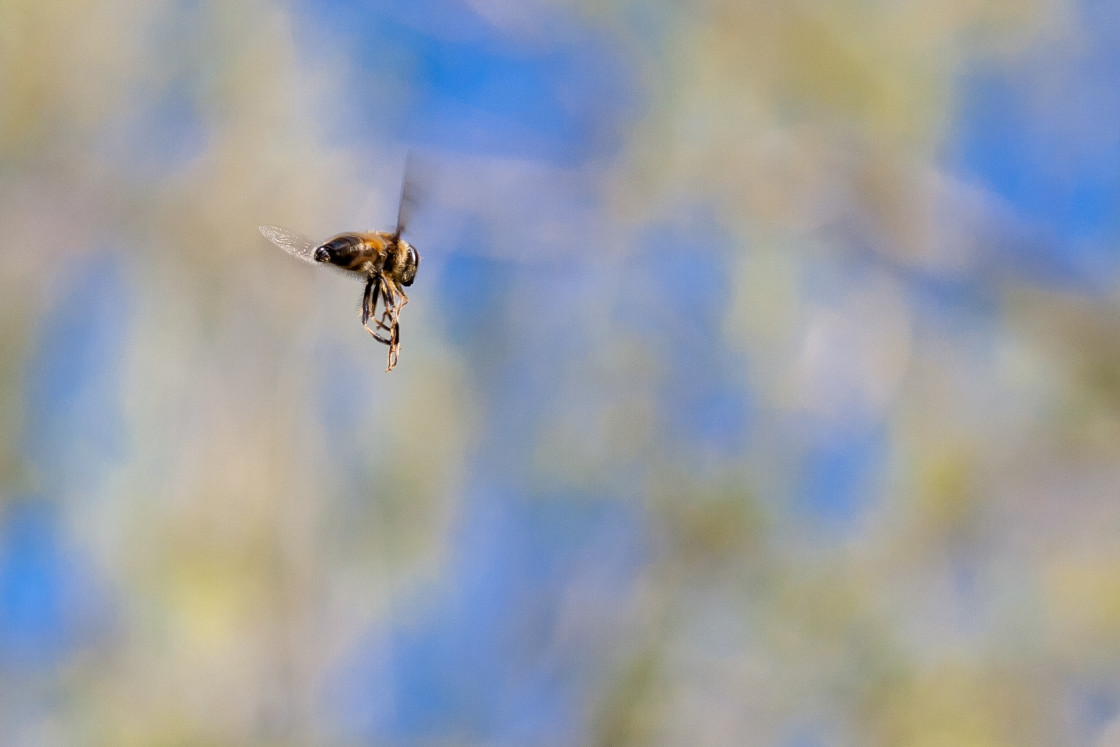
369 307
390 317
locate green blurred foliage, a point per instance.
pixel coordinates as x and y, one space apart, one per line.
248 550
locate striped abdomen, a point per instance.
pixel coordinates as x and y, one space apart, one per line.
358 252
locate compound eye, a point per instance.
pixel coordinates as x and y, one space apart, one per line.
413 263
322 254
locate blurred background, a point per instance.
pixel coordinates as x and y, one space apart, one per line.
760 383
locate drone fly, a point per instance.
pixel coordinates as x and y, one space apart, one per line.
383 259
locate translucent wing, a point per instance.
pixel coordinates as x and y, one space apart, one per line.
294 244
408 196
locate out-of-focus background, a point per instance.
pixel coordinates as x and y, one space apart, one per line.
760 383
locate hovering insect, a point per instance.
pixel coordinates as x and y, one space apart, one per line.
387 262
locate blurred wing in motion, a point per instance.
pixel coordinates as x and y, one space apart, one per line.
293 243
408 197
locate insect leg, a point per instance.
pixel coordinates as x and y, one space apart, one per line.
391 310
387 301
365 301
394 349
391 314
369 306
394 314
